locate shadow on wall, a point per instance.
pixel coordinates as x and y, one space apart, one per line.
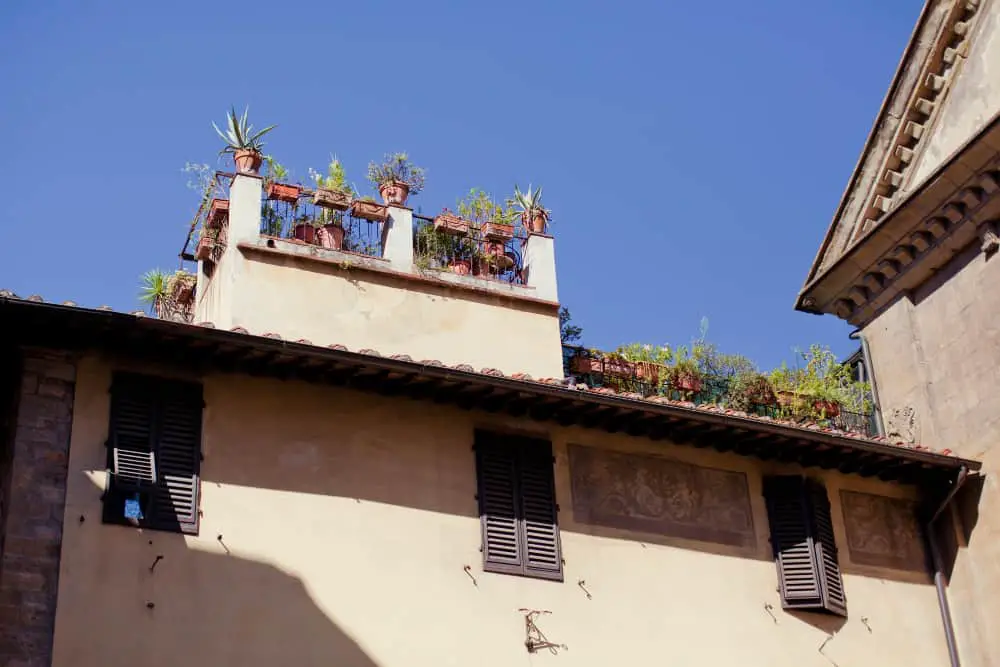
198 608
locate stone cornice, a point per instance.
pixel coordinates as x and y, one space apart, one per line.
949 211
926 72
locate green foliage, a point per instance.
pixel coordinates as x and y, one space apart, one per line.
479 207
153 287
275 171
568 332
529 203
749 390
820 379
335 179
431 244
397 167
240 135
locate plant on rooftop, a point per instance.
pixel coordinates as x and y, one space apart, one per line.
367 208
396 177
437 249
750 392
534 216
333 197
278 188
496 224
242 141
818 389
167 293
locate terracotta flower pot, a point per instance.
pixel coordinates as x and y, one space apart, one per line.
584 365
687 382
395 192
331 236
203 251
647 371
497 232
536 224
369 210
248 161
338 201
451 224
304 232
284 192
218 212
828 409
618 367
462 267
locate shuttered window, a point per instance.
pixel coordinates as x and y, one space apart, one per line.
804 549
154 453
517 506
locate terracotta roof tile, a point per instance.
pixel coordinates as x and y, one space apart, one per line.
524 377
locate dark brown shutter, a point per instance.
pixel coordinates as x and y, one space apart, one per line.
161 419
178 458
517 506
804 548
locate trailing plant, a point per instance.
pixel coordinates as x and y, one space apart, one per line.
397 168
240 134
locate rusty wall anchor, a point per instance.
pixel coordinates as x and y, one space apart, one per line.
534 638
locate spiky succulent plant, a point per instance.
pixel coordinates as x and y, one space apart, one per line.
240 135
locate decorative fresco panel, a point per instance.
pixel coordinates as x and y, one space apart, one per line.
655 495
883 532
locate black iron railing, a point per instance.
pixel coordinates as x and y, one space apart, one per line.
644 379
297 218
481 251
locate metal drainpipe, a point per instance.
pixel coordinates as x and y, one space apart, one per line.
939 579
866 357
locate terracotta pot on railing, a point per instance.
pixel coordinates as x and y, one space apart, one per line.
304 231
284 192
449 223
248 161
619 367
647 371
331 236
203 251
218 211
585 365
497 232
687 382
394 192
828 409
338 201
536 223
369 210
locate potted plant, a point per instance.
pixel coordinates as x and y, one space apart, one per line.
750 390
396 178
277 189
449 223
304 229
203 251
649 361
815 391
684 373
367 208
534 216
333 196
218 212
587 362
242 142
165 293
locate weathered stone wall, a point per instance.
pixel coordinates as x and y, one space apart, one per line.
936 358
39 453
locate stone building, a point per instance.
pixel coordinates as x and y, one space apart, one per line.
910 259
352 457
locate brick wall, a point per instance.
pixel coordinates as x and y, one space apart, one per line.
36 499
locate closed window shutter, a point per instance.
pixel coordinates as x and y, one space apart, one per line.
517 506
159 422
804 549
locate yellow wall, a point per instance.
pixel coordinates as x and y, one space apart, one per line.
335 531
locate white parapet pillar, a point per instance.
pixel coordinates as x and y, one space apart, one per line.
244 208
397 239
540 266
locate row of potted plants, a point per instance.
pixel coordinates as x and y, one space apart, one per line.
816 388
396 177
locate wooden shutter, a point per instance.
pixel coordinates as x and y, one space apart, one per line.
178 458
161 421
804 549
517 506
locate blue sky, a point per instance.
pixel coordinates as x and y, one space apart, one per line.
692 154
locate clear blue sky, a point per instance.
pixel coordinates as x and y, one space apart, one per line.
692 154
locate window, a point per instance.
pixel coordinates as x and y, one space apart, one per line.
517 506
154 453
804 549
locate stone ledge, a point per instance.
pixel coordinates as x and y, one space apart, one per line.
351 261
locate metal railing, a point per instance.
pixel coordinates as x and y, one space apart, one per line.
480 252
297 218
642 378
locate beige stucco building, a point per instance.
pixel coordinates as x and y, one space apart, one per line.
910 259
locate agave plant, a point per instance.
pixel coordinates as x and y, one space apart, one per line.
240 135
529 205
153 288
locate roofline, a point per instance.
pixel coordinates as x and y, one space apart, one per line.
869 141
553 389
